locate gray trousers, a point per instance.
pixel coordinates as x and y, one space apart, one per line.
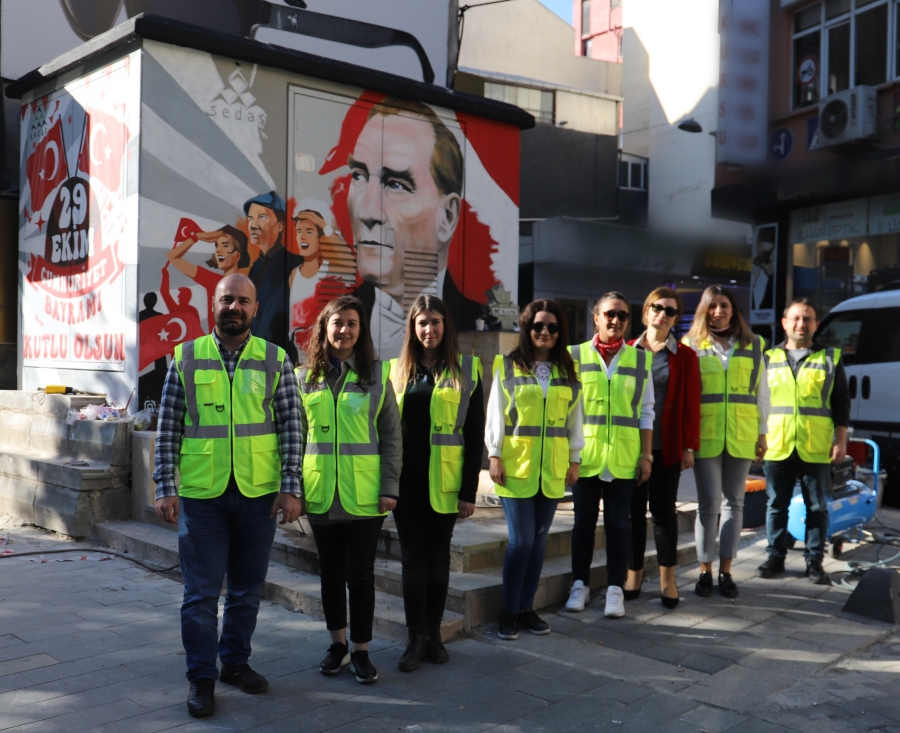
722 476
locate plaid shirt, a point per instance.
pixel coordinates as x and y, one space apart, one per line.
170 430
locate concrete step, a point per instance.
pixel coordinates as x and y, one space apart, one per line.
296 588
479 543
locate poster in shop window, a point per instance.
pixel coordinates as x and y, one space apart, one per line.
73 224
762 274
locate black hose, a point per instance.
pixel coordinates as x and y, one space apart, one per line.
90 549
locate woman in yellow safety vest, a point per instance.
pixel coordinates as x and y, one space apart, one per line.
734 400
534 439
442 412
618 443
351 471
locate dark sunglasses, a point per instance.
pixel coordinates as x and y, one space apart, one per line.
670 312
552 328
621 315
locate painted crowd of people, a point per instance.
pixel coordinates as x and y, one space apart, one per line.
346 439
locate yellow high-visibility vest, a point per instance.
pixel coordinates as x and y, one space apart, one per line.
229 425
800 416
612 410
448 415
342 442
729 415
535 449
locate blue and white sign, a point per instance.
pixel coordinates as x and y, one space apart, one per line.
781 144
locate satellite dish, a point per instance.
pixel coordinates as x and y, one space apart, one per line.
834 118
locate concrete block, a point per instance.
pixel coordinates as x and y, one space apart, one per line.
56 508
49 434
12 400
20 465
16 430
143 487
93 440
17 497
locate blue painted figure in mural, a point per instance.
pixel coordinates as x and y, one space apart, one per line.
266 215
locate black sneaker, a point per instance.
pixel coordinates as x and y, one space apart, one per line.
201 702
244 678
771 567
816 573
727 587
704 587
338 656
528 619
362 667
509 627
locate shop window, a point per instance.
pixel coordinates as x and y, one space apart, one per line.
838 58
536 101
838 44
632 172
871 46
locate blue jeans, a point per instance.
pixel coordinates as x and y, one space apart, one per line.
231 536
815 482
528 521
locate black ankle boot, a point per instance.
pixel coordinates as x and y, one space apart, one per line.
435 652
415 649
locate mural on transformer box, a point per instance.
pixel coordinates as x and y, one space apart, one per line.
335 192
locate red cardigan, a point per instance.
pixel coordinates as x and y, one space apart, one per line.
681 410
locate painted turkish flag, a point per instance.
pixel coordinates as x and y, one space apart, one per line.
161 334
103 148
46 166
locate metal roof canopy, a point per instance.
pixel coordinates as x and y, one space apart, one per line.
166 30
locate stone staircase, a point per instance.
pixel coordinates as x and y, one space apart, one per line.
65 478
477 551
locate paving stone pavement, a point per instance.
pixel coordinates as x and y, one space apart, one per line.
92 646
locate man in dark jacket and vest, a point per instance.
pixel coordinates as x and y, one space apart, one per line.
229 421
808 420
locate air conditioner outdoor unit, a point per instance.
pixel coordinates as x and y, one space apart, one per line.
847 116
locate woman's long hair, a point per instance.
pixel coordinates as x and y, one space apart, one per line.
523 354
700 327
317 346
412 351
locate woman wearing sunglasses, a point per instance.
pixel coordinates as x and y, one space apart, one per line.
534 440
676 435
442 412
618 433
734 408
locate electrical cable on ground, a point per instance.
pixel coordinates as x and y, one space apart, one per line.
92 549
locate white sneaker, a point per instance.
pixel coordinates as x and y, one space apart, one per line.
578 596
615 602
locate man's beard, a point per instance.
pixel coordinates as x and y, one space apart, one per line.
232 327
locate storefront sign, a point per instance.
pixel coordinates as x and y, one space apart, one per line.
840 220
726 263
884 214
762 276
741 136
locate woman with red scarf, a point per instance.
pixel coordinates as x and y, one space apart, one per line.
618 431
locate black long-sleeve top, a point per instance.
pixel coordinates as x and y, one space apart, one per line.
417 437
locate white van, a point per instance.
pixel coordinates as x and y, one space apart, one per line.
867 330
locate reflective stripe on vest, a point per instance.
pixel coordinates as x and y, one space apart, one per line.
800 417
612 410
448 415
535 449
229 425
342 442
729 416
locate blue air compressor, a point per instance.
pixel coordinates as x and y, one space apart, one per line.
851 504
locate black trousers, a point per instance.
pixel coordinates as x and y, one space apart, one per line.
815 483
616 495
662 491
347 560
425 554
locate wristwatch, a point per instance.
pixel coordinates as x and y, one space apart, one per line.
689 450
648 456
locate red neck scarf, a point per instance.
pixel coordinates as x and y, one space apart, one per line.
722 332
607 351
